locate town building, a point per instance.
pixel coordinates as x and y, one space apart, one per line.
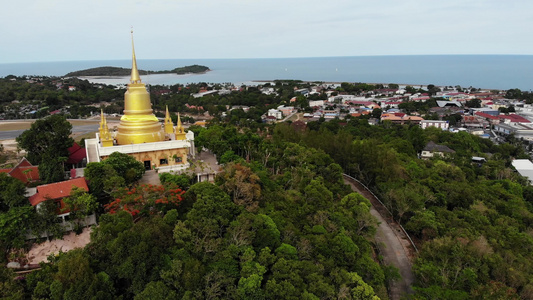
57 192
435 150
444 125
525 168
400 118
141 135
275 113
286 110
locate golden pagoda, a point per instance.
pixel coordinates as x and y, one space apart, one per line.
138 124
156 145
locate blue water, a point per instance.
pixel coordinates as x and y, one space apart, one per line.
480 71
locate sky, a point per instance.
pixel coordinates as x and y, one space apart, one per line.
72 30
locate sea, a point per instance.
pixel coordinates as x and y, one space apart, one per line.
479 71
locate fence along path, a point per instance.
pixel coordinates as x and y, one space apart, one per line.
394 244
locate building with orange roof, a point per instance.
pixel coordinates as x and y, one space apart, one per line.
56 192
23 171
401 118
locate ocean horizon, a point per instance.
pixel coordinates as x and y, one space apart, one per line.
479 71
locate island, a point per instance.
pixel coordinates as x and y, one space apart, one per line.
117 71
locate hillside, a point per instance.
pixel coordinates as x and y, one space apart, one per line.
117 71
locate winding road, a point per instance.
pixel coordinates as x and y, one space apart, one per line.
392 243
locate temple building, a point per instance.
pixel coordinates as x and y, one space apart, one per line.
164 147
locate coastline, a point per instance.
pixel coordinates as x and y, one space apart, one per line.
500 72
155 78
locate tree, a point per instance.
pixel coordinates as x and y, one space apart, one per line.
80 204
14 226
513 94
411 90
146 199
51 168
46 220
103 180
181 180
11 193
126 166
156 290
10 288
432 89
242 184
50 135
393 86
376 113
474 103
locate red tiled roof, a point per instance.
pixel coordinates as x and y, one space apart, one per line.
19 174
76 154
57 190
364 103
421 98
485 115
24 163
514 118
18 171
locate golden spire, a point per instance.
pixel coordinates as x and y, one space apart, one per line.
138 124
180 133
135 78
169 127
105 136
101 129
179 129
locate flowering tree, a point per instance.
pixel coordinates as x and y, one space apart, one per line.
146 199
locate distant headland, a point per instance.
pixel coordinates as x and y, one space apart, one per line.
117 71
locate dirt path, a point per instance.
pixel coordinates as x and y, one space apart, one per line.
392 244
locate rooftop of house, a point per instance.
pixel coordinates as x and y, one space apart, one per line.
76 154
487 116
23 171
514 118
57 190
432 147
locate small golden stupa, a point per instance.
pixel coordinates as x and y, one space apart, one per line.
138 124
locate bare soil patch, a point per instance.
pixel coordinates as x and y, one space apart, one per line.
8 126
40 252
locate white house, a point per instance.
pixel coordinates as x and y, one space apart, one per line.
444 125
275 113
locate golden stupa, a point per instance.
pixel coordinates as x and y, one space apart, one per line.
138 124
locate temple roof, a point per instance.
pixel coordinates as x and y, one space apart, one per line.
57 190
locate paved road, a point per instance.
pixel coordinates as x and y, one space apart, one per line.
150 177
392 246
12 134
